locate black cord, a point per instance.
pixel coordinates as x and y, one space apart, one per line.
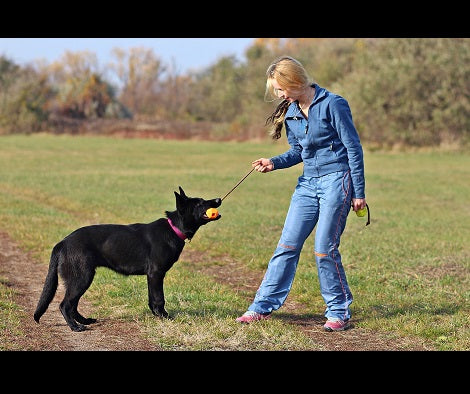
241 180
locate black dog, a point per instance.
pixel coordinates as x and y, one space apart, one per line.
135 249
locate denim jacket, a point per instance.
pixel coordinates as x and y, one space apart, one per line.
327 142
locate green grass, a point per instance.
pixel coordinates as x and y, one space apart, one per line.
408 270
9 317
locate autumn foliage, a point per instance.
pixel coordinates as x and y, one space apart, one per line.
402 91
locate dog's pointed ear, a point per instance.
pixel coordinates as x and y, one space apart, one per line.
179 201
182 193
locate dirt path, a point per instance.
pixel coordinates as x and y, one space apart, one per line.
27 276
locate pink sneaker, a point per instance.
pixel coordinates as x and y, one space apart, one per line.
337 325
251 316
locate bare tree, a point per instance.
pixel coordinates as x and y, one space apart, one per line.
139 71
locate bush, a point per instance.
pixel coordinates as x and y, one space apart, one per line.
410 91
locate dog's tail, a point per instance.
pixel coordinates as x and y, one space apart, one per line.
50 285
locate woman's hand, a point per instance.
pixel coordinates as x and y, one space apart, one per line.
358 203
263 165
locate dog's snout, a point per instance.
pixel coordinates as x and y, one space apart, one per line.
218 201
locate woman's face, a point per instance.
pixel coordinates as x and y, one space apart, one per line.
284 94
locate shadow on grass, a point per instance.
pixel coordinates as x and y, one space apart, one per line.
306 320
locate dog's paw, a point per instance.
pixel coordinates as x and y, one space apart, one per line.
78 328
160 312
86 320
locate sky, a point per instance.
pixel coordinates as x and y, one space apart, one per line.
186 53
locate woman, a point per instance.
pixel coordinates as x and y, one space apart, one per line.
321 135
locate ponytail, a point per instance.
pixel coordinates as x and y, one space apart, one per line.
277 119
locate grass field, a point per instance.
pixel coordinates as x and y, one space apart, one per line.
408 270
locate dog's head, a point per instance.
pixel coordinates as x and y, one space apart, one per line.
193 209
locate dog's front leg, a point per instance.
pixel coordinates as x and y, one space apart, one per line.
156 296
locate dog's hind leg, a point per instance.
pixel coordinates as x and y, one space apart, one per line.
75 287
67 308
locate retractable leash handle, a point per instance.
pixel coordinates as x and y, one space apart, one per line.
240 181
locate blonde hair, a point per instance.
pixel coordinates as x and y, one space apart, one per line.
290 74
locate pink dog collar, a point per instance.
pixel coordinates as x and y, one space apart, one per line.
176 230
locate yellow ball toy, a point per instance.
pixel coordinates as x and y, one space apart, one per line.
212 213
361 212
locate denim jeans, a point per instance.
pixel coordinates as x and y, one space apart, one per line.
323 202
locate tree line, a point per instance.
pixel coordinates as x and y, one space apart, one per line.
402 91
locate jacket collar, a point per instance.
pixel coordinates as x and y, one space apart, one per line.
294 109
